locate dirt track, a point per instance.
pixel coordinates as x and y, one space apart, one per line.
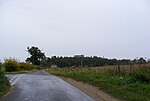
94 92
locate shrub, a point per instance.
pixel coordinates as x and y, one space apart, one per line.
142 77
2 70
27 66
4 85
11 65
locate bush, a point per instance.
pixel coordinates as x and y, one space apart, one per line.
11 65
141 77
4 85
27 66
1 70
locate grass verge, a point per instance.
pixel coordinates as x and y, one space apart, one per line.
4 85
21 72
123 85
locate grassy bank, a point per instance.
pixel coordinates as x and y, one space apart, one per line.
21 72
4 83
122 84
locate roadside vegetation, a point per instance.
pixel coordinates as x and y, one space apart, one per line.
131 83
4 83
13 66
123 79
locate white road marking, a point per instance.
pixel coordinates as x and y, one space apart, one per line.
15 79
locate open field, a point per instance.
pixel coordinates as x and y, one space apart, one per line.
129 68
131 83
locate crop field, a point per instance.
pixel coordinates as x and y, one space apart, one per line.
128 82
123 67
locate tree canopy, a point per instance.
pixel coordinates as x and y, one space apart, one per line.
38 58
36 55
92 61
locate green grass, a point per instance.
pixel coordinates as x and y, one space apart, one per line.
21 72
4 83
135 87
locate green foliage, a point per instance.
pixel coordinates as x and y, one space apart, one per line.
36 55
4 85
1 70
142 76
11 65
120 84
27 66
92 61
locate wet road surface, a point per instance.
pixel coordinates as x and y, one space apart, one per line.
40 86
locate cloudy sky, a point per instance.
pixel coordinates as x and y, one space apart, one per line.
109 28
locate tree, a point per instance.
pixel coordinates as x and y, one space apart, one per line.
141 61
36 55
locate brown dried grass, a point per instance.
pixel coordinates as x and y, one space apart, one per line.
132 67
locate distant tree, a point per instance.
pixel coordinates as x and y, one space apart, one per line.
1 73
141 61
92 61
36 55
148 60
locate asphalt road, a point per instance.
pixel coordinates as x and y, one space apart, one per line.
40 86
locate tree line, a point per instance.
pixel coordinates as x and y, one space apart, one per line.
38 58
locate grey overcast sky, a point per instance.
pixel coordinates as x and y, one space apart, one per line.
109 28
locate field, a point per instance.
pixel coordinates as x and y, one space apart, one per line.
130 82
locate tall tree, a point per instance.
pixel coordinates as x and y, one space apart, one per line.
36 55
